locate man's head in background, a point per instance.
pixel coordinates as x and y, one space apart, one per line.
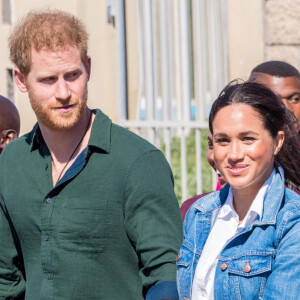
9 122
282 78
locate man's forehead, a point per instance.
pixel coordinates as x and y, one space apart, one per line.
290 84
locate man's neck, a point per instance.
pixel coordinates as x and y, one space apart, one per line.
66 145
61 142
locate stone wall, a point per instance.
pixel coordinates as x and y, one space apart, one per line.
282 31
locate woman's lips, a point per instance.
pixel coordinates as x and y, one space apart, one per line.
237 169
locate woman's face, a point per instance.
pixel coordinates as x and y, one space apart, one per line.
243 149
211 161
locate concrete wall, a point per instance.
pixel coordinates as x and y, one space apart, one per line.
262 30
282 31
245 36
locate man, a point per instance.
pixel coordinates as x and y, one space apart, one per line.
88 208
283 79
9 122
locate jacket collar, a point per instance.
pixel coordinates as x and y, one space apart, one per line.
100 135
272 202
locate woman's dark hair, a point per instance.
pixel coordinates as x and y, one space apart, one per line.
275 117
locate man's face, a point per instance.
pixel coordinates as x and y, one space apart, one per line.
57 87
288 88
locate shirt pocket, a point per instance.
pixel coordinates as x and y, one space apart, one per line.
186 261
248 274
83 225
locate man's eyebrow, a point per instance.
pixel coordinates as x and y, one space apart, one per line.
293 94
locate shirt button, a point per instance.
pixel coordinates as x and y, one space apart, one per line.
49 276
247 268
223 267
46 237
178 256
49 200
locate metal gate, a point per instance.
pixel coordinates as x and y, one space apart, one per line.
183 65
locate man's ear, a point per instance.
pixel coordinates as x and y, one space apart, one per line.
7 136
88 66
20 80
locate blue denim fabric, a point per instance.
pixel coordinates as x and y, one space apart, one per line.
270 246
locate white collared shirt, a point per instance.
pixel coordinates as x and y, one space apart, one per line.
225 228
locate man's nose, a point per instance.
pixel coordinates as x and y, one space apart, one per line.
62 91
288 105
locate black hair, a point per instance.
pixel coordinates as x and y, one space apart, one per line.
277 68
275 117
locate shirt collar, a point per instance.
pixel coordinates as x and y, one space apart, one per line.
256 208
100 134
272 202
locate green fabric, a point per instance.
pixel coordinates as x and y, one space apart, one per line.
110 231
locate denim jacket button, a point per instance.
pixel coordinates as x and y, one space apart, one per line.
247 268
178 256
223 267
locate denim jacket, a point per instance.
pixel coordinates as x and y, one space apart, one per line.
261 262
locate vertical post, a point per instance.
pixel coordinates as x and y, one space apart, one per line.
186 86
121 61
149 70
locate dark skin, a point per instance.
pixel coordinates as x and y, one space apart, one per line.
288 88
9 122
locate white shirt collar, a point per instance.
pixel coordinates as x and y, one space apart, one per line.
256 208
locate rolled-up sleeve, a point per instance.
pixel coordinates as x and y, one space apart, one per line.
152 219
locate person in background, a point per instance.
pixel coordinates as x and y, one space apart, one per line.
9 122
87 208
220 184
283 79
243 241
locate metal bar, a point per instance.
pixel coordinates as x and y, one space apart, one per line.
141 62
198 162
149 72
183 164
186 88
185 57
200 58
164 124
177 67
165 80
224 37
121 60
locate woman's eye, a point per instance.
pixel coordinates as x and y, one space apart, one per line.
249 139
222 141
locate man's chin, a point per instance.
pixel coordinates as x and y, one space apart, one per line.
59 124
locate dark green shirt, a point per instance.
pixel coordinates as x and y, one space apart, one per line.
110 229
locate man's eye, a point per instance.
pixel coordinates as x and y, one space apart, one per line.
294 99
48 80
72 76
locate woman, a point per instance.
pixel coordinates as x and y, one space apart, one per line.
243 242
